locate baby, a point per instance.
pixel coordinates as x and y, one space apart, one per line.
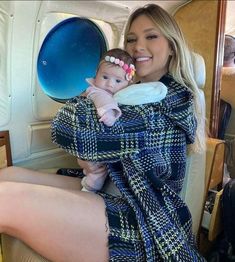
110 87
114 73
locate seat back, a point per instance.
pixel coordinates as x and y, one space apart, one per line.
193 190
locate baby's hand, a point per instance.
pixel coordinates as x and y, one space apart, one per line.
90 167
108 118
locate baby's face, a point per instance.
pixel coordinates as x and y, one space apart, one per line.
111 78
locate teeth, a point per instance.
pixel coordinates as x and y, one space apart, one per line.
139 59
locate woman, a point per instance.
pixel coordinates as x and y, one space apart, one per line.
146 154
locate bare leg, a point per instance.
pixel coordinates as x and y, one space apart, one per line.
18 174
57 223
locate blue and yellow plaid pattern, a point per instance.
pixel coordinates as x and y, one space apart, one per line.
149 141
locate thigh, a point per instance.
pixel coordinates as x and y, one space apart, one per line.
18 174
59 224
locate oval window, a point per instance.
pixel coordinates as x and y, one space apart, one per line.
69 54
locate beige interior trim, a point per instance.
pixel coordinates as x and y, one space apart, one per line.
5 149
3 155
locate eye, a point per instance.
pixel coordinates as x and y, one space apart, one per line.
150 37
105 77
118 81
130 40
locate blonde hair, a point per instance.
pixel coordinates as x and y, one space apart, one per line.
180 65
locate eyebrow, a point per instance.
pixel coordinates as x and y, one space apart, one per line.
145 31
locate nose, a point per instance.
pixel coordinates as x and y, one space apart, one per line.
139 46
110 83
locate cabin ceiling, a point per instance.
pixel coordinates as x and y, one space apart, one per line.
172 6
230 18
168 5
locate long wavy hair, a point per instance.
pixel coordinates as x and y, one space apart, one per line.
180 65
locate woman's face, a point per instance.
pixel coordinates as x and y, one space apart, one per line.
150 49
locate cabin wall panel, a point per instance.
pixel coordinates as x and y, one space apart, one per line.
23 105
50 14
6 21
198 21
45 22
40 138
25 13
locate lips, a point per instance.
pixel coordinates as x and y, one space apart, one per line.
110 92
142 59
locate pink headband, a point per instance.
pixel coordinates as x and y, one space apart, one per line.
129 69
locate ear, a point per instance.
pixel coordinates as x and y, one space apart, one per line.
171 52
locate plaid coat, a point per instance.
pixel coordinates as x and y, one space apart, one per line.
150 143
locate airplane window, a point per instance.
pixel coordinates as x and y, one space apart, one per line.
70 53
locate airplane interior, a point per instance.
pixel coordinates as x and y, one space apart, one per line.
48 48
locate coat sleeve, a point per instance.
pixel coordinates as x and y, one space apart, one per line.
76 129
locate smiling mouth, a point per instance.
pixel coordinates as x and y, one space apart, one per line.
142 59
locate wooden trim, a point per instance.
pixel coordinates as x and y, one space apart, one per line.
5 140
215 103
214 171
216 225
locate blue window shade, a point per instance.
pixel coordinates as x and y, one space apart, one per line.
70 53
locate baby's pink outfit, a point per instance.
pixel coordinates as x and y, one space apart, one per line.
104 102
